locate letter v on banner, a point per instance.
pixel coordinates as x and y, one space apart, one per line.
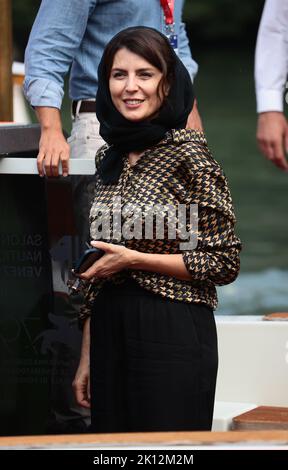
168 9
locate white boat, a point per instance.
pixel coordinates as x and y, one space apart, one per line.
253 366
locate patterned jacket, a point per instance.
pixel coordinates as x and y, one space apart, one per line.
178 170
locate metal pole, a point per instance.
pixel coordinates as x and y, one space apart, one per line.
6 90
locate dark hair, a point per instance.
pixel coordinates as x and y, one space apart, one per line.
149 44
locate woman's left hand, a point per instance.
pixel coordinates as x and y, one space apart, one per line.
115 259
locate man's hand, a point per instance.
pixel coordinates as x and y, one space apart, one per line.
194 119
53 147
272 137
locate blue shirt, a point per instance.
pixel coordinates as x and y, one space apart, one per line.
73 33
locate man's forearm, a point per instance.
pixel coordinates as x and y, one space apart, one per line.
194 120
49 118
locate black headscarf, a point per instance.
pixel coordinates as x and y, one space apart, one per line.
127 136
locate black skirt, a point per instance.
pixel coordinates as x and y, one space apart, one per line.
153 362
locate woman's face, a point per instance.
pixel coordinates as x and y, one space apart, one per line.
133 85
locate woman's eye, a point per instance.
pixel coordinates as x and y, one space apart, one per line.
145 75
118 75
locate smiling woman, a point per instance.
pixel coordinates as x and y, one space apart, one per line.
149 349
165 102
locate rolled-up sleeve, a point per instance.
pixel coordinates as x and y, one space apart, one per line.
216 257
43 92
54 40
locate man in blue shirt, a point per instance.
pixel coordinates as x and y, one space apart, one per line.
70 33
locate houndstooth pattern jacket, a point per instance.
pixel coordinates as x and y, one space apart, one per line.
178 170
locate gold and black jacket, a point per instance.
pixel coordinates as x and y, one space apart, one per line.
178 170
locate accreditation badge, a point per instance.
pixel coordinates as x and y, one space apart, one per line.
172 37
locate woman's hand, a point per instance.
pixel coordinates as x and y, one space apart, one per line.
116 258
81 384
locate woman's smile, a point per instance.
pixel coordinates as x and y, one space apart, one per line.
133 103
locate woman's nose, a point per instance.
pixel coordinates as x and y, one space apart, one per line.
131 83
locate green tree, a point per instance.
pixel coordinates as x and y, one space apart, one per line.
222 20
24 13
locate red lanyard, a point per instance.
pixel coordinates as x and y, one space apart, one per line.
168 8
